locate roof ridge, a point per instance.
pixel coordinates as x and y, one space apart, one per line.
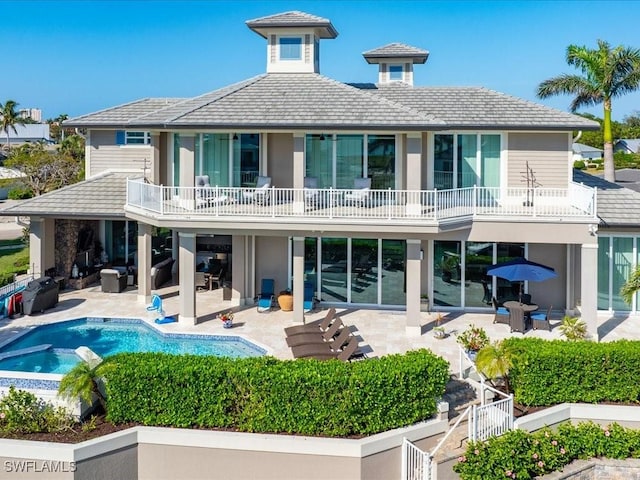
113 108
222 93
382 99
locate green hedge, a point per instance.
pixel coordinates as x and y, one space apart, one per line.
552 372
268 395
519 454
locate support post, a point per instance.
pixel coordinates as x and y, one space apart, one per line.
144 262
589 288
187 278
413 324
298 279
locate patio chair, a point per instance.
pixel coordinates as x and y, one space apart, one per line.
541 319
349 351
360 194
309 297
316 348
501 313
335 329
317 326
525 298
266 298
260 194
113 281
311 192
207 195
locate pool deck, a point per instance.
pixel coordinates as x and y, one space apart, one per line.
380 332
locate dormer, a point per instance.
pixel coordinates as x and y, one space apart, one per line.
293 40
396 62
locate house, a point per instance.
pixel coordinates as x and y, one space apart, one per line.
585 153
627 145
415 191
29 132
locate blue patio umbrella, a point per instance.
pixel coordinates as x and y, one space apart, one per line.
520 270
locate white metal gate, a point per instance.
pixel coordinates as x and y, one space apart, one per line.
491 419
416 464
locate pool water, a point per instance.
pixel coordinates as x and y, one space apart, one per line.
107 337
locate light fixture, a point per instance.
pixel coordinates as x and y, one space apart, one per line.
235 136
322 136
593 229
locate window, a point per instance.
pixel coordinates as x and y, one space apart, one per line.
290 48
133 138
395 72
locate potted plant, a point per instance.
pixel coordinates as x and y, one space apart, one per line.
227 319
473 339
438 330
424 303
449 267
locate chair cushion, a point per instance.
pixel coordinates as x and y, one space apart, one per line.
503 311
539 316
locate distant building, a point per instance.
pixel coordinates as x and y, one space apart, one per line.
31 132
586 152
627 145
34 114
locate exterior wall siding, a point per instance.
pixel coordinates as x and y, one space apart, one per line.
106 155
280 159
548 157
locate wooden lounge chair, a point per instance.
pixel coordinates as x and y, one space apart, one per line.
316 337
347 353
321 348
317 326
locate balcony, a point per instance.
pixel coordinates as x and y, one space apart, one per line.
423 207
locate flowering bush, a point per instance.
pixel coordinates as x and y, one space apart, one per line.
473 338
226 316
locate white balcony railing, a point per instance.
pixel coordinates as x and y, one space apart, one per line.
577 201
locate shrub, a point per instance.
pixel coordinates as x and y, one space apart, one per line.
579 164
269 395
552 372
520 454
573 328
23 412
20 193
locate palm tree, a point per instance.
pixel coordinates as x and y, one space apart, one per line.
9 118
631 286
606 73
496 359
82 381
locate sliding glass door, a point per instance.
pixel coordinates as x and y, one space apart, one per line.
465 160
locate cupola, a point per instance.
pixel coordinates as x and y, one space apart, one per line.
293 40
396 61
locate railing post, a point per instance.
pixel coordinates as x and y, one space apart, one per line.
389 203
534 201
435 203
475 199
330 200
273 202
403 472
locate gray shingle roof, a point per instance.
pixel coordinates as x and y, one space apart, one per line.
628 144
293 19
617 206
478 107
278 100
121 114
396 50
103 196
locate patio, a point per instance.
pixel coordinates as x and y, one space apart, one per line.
381 332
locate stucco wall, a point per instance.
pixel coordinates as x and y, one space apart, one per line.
548 157
271 261
118 464
550 292
106 155
280 159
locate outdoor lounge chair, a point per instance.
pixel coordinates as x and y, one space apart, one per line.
266 298
309 297
501 313
261 194
360 194
317 337
317 326
349 351
541 319
206 195
311 192
317 348
113 281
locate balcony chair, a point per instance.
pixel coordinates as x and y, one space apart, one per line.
309 297
113 281
266 298
501 313
261 194
311 192
541 319
207 195
360 195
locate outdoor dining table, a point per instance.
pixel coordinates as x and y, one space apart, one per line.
519 315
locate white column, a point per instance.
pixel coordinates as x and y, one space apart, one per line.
144 262
187 169
37 246
187 278
589 288
153 174
298 170
239 267
298 279
413 326
414 172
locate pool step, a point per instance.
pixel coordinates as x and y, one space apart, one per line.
25 351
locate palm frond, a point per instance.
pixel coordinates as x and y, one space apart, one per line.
631 286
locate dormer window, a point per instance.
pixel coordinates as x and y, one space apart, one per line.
395 73
290 48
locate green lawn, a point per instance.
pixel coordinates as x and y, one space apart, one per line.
13 261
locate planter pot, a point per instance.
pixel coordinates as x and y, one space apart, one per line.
286 302
472 354
439 334
227 324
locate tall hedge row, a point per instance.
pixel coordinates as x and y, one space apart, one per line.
268 395
551 372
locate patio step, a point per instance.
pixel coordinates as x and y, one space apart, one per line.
459 394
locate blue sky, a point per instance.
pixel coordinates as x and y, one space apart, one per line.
77 57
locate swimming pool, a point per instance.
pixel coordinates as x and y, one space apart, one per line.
107 337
